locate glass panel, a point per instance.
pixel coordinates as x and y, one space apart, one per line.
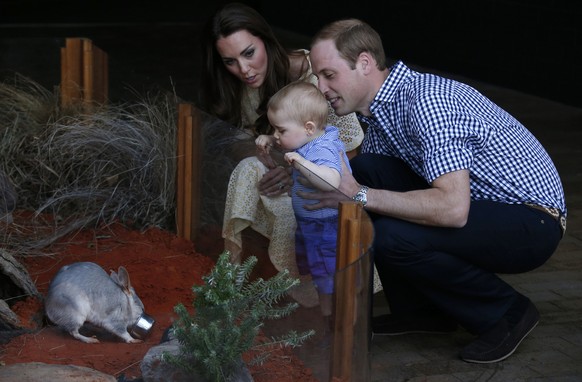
340 347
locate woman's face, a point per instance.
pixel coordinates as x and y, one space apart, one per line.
244 55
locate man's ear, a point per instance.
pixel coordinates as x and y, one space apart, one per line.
366 62
309 127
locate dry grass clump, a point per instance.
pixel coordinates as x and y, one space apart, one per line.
115 163
83 168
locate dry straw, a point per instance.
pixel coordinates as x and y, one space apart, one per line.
74 169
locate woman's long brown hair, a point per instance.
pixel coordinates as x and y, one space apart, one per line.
221 91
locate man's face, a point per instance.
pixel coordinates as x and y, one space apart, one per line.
340 84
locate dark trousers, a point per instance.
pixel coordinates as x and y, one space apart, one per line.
453 271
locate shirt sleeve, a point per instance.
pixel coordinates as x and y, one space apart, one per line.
450 138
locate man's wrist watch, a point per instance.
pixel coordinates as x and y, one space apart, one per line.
362 195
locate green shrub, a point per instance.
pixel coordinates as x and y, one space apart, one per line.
229 312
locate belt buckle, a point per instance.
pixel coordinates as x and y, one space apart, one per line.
555 213
563 224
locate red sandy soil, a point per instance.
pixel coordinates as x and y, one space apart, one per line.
162 268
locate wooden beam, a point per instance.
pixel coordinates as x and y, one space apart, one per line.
355 235
189 171
84 73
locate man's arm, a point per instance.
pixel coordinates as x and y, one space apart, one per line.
445 204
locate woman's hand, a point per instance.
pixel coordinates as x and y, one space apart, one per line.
277 180
266 159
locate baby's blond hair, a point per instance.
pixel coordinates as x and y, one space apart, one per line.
302 101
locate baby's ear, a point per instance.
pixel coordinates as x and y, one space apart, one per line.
310 127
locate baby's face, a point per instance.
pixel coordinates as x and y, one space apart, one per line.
290 134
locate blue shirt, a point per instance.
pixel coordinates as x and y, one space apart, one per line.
325 150
439 125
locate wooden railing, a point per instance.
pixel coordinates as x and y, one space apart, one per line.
355 235
189 171
84 73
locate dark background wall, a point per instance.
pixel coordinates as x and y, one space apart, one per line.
527 45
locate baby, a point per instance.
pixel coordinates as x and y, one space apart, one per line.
298 113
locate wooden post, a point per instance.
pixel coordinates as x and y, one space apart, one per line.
100 76
84 73
196 169
189 162
180 170
355 234
71 72
88 86
187 227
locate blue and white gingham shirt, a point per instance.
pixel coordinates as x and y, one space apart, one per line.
438 125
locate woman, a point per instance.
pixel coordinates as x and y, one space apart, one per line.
244 65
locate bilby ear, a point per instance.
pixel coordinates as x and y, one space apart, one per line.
121 278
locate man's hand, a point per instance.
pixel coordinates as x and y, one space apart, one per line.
327 199
330 199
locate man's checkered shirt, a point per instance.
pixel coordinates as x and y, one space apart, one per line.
439 125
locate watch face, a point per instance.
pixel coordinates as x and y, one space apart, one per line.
361 196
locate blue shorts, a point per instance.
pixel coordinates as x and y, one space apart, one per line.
315 250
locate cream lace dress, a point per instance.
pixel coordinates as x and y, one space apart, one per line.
273 217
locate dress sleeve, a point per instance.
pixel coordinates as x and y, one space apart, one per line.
350 130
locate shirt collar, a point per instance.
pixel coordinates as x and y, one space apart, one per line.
331 134
398 73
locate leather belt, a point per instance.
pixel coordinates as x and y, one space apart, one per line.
555 213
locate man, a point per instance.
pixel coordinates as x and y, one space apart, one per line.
457 188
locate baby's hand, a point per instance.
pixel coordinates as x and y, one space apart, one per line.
291 157
263 143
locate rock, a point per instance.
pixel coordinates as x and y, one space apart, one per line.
153 369
41 372
7 335
8 318
20 281
15 282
